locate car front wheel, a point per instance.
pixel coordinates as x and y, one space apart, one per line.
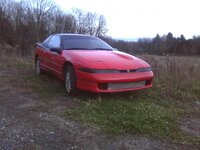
70 81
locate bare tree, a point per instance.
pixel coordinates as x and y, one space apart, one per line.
6 28
36 19
90 22
80 17
18 18
40 9
5 8
69 23
101 29
63 22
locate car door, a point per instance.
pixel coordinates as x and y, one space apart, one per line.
44 54
56 60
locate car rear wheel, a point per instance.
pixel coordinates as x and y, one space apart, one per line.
70 81
37 66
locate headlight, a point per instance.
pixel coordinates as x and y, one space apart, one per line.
143 69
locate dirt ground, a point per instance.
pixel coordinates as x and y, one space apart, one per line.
29 122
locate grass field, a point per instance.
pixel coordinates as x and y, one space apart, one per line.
155 112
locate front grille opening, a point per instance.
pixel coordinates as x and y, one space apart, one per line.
103 86
126 85
148 82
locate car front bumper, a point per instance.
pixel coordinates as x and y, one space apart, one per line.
113 82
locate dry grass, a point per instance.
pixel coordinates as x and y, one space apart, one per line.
6 50
176 76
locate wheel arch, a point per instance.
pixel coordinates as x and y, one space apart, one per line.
64 67
36 56
73 81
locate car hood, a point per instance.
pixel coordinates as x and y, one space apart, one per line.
102 59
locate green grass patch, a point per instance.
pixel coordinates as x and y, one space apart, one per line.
133 114
120 117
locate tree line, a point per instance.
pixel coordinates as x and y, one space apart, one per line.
159 45
25 22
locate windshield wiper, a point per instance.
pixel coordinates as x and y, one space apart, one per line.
76 48
79 48
107 49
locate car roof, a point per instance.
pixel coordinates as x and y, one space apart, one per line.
75 36
72 34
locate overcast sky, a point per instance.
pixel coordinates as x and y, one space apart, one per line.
143 18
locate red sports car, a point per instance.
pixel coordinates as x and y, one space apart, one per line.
87 63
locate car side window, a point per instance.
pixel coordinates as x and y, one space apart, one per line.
54 42
46 42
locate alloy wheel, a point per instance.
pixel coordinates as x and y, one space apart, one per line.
68 82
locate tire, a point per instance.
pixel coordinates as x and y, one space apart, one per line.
70 81
37 66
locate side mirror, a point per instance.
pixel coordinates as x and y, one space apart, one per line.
39 44
55 49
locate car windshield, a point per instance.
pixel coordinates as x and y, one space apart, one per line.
84 43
